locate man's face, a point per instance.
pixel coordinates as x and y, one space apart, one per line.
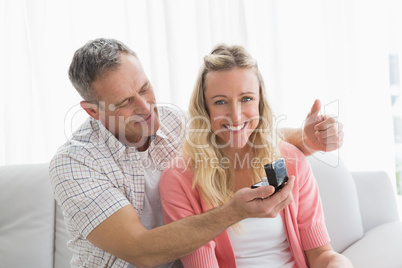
127 102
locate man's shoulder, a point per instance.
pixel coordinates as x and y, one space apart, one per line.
82 137
172 122
171 115
82 142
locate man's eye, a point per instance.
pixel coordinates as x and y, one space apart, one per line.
219 102
145 90
125 103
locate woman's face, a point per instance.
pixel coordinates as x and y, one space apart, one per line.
232 98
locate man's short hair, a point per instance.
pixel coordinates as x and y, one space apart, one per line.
91 61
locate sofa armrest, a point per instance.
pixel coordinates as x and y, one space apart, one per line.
376 198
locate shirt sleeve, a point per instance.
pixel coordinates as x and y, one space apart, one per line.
87 196
180 200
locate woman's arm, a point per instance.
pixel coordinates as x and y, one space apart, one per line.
314 237
325 256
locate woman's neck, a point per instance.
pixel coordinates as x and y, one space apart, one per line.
239 158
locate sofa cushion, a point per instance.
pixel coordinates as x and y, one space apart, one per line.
339 199
27 217
380 247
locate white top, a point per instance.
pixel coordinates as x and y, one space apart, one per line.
152 210
261 243
151 216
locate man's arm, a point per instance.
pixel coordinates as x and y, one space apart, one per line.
123 235
319 133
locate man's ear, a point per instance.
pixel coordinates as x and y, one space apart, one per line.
91 109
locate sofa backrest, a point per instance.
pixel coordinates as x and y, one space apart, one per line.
339 198
376 198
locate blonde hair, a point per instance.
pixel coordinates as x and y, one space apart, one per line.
215 181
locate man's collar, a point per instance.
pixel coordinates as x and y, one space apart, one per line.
117 148
161 133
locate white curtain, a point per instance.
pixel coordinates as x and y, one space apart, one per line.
333 50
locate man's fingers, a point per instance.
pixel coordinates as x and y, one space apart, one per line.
313 116
333 130
332 143
261 192
264 192
282 198
285 191
325 122
315 109
329 127
284 203
325 138
264 201
328 121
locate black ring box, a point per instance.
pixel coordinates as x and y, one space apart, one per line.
276 173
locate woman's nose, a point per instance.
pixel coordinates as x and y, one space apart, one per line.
235 113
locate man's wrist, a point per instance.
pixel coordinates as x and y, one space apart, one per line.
232 212
297 138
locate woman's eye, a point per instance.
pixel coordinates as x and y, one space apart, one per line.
219 102
245 99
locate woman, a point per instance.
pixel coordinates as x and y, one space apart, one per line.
230 138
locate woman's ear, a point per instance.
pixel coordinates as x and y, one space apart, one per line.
91 109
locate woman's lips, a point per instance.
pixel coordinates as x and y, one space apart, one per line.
236 127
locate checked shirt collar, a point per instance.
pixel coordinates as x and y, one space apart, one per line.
159 147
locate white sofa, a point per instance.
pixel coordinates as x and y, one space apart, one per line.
360 211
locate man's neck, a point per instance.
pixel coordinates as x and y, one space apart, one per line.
145 145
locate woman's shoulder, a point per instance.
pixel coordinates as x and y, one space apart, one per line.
296 161
290 151
176 182
179 167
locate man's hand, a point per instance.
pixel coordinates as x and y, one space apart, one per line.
321 132
262 202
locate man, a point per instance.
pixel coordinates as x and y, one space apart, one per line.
106 176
